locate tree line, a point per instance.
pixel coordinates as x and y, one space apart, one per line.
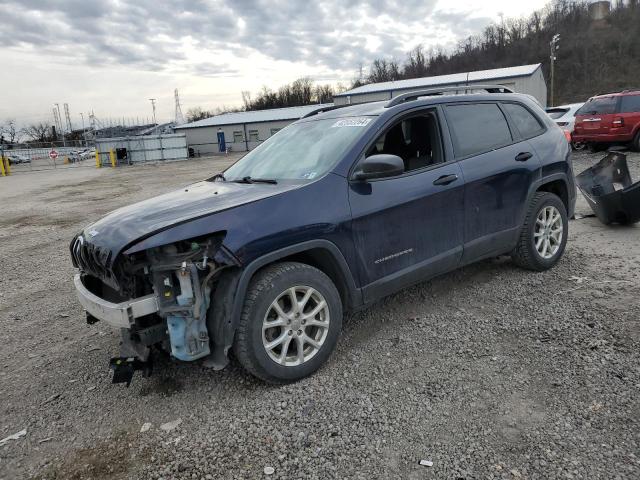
302 91
594 56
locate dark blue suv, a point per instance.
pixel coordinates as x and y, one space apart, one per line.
332 213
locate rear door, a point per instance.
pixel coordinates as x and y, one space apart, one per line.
596 117
498 165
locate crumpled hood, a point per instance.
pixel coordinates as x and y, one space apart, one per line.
132 223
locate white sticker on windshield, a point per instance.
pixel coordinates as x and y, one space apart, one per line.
310 175
352 122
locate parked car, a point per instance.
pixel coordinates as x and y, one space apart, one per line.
15 159
565 118
610 118
332 213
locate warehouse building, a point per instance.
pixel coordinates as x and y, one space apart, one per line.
240 131
523 79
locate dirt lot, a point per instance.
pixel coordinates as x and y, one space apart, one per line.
489 372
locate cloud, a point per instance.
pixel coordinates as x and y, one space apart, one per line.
112 55
151 34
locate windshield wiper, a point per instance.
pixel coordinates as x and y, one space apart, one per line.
256 180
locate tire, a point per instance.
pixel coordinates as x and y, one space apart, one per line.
526 254
273 284
636 142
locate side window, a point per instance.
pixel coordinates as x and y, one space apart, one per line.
630 104
526 123
477 128
237 137
415 139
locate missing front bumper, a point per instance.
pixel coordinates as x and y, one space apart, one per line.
120 315
609 190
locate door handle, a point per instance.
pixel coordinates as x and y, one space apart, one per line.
445 179
523 156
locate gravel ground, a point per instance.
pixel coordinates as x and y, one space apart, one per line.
488 372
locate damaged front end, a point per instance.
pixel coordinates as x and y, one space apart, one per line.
609 190
160 297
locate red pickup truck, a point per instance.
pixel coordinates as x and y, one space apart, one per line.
610 118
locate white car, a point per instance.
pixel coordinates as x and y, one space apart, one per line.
565 118
16 158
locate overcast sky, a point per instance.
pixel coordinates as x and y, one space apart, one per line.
111 56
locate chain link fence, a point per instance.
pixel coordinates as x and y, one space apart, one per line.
103 152
34 156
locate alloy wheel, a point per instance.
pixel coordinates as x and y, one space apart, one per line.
548 232
295 326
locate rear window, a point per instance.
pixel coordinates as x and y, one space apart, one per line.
556 112
477 128
630 103
528 125
599 106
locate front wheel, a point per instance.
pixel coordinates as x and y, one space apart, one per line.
290 323
544 233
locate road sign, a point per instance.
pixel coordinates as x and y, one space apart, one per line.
53 154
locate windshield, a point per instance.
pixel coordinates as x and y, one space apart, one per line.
301 151
599 106
556 112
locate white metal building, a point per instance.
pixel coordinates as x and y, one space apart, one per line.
522 79
143 148
242 130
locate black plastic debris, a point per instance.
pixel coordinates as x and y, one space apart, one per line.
124 368
609 190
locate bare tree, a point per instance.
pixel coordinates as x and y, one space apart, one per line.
246 99
38 132
197 113
9 131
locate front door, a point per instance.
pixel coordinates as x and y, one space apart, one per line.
409 227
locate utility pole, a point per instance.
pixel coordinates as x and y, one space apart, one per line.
553 47
68 117
84 132
179 118
59 121
153 105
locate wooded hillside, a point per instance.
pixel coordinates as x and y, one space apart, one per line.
594 56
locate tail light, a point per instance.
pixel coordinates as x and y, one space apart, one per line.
618 122
567 135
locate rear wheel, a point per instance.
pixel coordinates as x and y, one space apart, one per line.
544 233
290 323
636 142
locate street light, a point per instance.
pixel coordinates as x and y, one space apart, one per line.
553 48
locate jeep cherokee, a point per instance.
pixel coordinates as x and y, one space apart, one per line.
332 213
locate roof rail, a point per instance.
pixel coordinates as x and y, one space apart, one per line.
323 109
409 96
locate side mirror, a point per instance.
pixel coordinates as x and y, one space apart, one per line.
379 166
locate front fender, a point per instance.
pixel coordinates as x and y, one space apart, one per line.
228 301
